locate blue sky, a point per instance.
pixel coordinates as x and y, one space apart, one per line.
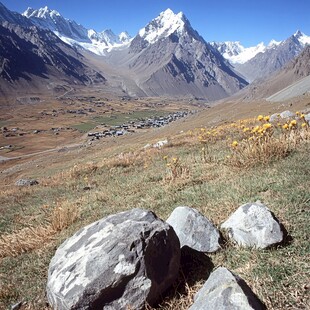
247 21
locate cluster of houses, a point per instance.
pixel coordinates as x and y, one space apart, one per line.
132 126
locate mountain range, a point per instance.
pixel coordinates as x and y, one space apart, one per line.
260 61
74 34
294 75
166 58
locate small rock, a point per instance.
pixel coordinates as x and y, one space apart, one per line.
307 118
160 144
26 182
287 114
253 225
225 291
194 230
17 306
147 146
122 261
274 118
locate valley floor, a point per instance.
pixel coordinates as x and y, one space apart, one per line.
198 168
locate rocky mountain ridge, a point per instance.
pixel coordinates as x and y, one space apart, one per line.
167 57
295 70
75 34
260 61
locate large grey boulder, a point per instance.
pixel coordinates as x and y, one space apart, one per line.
287 114
225 291
122 261
194 230
253 225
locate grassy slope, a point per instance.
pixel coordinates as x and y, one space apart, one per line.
140 178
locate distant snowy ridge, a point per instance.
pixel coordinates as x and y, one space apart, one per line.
75 34
238 54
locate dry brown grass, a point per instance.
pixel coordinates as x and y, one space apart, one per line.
140 177
80 170
264 143
176 170
259 151
125 160
30 238
25 240
63 215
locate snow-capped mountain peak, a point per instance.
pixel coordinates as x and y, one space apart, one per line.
74 34
28 12
298 34
108 37
124 37
44 12
273 43
228 48
302 38
162 26
52 20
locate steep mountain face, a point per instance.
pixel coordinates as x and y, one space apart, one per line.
168 57
31 54
300 66
13 17
260 61
74 34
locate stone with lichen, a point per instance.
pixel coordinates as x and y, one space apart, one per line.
120 262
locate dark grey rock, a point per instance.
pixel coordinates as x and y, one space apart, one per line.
194 230
26 182
225 291
124 260
253 225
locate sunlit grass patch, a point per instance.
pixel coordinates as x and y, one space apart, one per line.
265 142
191 170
